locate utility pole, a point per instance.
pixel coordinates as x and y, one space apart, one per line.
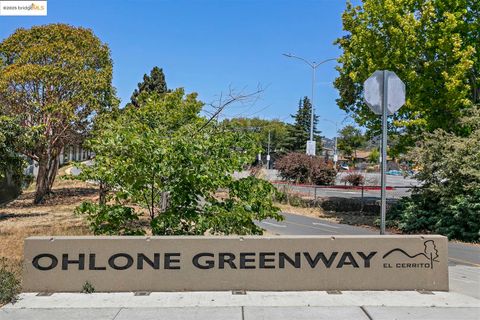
335 153
310 143
268 151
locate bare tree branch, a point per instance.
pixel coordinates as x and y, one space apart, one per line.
231 98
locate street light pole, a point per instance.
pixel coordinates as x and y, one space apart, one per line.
312 115
268 151
313 65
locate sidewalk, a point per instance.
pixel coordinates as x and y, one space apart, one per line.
251 305
461 303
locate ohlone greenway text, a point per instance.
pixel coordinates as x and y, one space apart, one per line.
204 260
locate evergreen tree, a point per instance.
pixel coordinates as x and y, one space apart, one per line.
155 82
299 131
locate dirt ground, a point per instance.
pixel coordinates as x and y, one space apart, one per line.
20 218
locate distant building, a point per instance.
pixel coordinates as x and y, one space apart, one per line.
361 159
327 153
70 153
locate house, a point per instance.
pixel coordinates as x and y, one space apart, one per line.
362 159
70 153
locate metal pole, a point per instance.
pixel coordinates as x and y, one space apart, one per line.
336 153
363 199
314 67
268 151
384 153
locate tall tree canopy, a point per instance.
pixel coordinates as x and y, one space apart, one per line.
299 132
350 140
12 137
153 83
432 45
260 130
57 77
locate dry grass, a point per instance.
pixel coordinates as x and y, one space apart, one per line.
309 212
351 218
20 218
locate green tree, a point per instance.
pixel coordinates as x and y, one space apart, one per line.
299 131
153 83
374 156
171 161
260 129
12 138
449 168
350 140
433 47
57 77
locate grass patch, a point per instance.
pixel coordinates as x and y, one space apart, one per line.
9 282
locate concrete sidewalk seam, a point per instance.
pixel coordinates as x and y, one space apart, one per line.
119 310
366 313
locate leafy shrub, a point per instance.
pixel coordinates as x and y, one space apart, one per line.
294 166
293 200
456 217
303 168
88 287
249 199
281 196
9 283
449 200
323 174
110 219
355 179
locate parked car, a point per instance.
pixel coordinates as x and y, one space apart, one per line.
394 173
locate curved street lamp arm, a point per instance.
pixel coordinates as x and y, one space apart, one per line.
326 60
289 55
313 65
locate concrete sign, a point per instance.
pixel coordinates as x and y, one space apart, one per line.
64 264
373 87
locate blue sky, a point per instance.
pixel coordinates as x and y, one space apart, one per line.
209 46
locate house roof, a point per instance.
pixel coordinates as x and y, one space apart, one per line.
361 154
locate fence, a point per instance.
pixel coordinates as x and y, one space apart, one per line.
342 191
340 198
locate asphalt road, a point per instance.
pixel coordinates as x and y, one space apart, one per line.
458 253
